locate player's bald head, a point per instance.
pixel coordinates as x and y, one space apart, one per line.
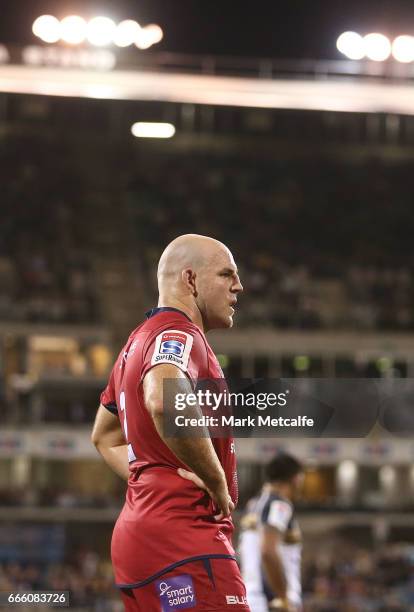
190 251
198 275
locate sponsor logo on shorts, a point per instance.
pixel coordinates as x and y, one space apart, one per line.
176 593
236 600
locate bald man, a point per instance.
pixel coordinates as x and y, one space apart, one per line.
171 546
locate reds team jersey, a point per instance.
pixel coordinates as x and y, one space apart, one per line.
164 515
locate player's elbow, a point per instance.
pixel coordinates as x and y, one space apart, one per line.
97 435
96 438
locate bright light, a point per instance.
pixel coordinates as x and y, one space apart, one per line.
148 36
126 33
47 28
100 59
155 32
347 473
351 44
403 49
377 47
100 31
144 39
387 476
73 29
153 130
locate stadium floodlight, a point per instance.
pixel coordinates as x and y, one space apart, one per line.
47 28
73 29
155 32
143 129
148 36
351 44
377 47
100 31
126 33
403 49
144 39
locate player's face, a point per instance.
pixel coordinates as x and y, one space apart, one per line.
297 484
218 286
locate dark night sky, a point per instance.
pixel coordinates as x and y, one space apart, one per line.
259 28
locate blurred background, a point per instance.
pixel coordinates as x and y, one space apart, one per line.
265 127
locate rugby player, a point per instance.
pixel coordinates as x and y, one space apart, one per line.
171 545
270 541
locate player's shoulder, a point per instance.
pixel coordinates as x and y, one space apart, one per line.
277 511
170 320
175 330
172 338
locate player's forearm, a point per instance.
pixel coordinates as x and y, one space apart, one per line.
197 453
109 440
275 573
116 457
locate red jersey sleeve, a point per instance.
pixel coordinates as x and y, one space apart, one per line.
180 345
108 398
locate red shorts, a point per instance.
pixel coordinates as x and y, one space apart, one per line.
205 585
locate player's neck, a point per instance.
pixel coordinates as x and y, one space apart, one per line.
281 488
190 310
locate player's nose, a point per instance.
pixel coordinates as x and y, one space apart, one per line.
238 287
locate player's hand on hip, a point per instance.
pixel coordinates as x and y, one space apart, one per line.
220 495
279 604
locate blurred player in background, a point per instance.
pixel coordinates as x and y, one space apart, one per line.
171 546
270 541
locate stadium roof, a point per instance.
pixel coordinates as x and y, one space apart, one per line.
330 94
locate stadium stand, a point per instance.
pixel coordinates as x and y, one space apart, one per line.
356 277
324 244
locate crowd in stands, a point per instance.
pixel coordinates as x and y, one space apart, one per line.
58 498
320 242
45 271
350 579
88 579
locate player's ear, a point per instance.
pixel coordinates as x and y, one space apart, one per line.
188 276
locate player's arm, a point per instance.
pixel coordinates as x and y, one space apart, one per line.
272 564
108 438
197 453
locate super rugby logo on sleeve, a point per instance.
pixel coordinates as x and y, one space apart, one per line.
176 593
280 513
173 346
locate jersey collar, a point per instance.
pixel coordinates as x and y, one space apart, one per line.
154 311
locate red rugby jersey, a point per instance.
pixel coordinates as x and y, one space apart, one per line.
164 513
